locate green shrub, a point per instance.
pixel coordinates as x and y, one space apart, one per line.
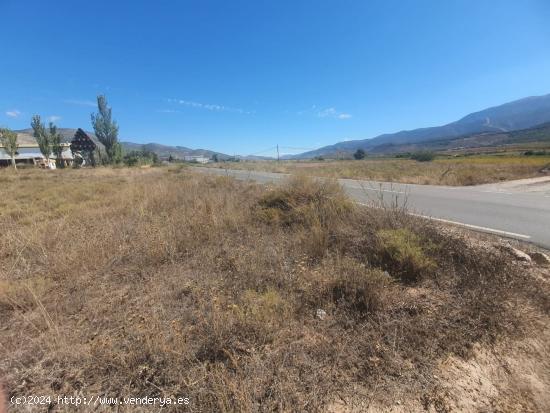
535 153
423 156
359 154
403 155
401 252
137 158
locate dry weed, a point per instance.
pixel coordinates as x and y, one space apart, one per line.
158 282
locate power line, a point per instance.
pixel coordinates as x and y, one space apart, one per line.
275 151
298 149
271 149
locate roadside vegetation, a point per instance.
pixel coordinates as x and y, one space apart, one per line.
140 158
427 169
159 282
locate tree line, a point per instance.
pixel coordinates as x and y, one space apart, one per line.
50 140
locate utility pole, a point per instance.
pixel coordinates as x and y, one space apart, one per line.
277 152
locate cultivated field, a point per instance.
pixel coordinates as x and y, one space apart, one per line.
467 170
159 282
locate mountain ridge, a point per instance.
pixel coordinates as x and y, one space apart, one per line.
515 115
538 133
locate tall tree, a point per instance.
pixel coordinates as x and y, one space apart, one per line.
359 154
8 138
42 137
106 130
55 140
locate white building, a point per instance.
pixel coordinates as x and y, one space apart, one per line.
198 159
29 154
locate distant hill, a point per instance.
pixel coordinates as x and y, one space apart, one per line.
25 137
255 158
540 133
516 115
165 151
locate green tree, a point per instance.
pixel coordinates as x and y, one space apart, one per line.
117 153
106 130
55 142
42 137
8 138
423 156
359 154
215 157
143 157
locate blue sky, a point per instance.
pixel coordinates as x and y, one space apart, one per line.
242 76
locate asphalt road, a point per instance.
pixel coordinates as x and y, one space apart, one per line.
515 214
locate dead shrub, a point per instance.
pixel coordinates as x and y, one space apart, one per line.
267 308
262 314
23 295
345 286
218 335
315 241
357 289
305 201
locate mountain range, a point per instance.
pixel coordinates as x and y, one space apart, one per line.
517 115
164 151
524 120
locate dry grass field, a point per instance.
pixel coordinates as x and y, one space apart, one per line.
159 282
468 170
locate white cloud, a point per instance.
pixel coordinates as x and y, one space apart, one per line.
208 106
333 113
326 112
13 113
309 110
167 111
80 102
54 118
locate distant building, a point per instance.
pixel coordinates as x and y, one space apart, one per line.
82 148
82 142
197 159
29 154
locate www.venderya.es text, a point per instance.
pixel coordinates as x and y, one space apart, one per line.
99 400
